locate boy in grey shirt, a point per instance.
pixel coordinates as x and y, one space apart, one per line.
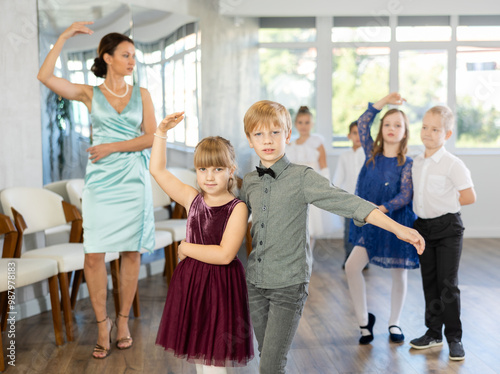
279 267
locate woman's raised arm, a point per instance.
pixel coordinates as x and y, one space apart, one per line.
61 86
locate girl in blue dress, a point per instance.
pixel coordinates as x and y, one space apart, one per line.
385 180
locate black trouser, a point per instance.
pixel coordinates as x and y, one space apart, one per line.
439 267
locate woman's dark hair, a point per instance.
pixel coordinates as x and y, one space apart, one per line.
107 45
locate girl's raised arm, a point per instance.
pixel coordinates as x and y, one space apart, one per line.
394 98
61 86
173 187
226 251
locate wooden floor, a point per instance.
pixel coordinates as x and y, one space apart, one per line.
327 338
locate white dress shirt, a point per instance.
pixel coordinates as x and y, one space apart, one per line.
437 181
348 168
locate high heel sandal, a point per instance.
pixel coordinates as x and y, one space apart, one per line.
99 348
124 340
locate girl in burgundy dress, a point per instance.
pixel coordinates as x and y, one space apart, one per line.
206 318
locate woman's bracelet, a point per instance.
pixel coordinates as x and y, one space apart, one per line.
159 136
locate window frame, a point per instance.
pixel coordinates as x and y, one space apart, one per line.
325 46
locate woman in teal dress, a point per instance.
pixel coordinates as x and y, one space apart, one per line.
116 203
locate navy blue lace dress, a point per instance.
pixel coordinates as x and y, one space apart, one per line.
384 183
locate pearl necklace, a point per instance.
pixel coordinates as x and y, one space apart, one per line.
112 93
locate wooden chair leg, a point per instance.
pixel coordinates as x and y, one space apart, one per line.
56 310
168 250
175 256
66 305
115 277
168 258
3 310
171 261
135 305
2 363
77 281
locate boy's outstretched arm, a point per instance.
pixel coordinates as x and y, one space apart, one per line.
377 218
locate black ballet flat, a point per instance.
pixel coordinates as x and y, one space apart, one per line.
396 338
367 339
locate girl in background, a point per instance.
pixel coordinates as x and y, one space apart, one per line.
206 318
308 149
385 180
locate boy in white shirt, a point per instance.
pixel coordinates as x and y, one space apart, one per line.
346 176
441 185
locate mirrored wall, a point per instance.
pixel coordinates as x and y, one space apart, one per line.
66 125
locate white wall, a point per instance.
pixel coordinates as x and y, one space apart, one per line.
20 129
481 219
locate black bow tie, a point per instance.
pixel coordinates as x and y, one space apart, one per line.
263 171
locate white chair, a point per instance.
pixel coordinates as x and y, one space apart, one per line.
74 189
163 239
37 209
187 176
177 224
59 188
25 272
60 234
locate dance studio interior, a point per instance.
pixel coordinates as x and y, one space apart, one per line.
213 59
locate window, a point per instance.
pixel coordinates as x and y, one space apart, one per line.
288 62
360 69
279 30
288 76
169 68
423 82
477 28
359 75
78 66
422 29
431 60
361 29
478 97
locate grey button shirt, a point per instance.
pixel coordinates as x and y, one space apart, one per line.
281 254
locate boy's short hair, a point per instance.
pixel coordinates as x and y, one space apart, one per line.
267 112
447 117
355 123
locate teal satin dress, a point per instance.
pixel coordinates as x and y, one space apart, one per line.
117 203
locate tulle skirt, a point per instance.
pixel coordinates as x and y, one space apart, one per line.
206 318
